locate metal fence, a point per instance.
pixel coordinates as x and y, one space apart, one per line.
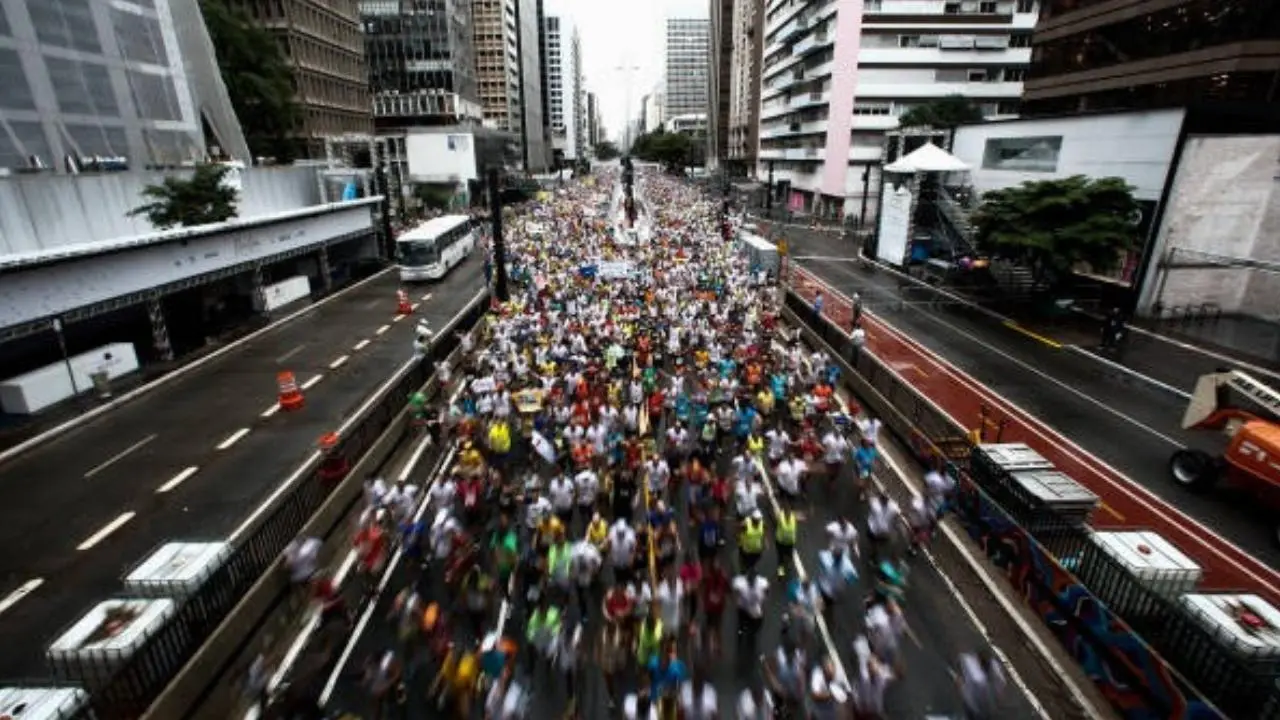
1147 652
124 686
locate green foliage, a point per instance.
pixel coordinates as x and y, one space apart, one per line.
1053 226
199 200
946 112
673 150
606 150
259 80
438 197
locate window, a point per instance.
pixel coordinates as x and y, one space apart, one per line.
1021 40
987 8
908 41
977 76
17 93
1024 154
1026 6
1015 74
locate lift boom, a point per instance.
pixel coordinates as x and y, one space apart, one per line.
1209 408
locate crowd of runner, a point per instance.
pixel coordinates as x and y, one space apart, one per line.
638 444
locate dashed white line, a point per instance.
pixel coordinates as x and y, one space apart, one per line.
177 479
16 596
312 382
233 438
360 345
398 318
426 297
339 362
291 353
414 307
106 530
385 328
118 456
275 408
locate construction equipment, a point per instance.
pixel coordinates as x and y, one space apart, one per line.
1251 460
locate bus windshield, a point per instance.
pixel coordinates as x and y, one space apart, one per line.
418 253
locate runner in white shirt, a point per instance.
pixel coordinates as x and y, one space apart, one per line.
698 700
779 441
834 449
587 487
562 496
886 625
670 596
754 704
749 592
746 497
622 548
982 681
883 517
790 476
842 535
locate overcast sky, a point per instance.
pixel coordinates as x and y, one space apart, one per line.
619 34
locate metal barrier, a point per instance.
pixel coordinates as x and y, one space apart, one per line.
128 688
1146 653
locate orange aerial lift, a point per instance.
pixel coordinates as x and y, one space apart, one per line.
1251 460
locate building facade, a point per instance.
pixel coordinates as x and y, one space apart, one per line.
422 69
593 121
719 81
324 43
1138 54
579 90
687 61
563 77
497 49
535 134
90 84
823 131
744 85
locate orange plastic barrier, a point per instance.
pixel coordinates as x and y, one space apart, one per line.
290 394
403 306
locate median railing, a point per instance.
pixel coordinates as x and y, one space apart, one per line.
1147 654
124 687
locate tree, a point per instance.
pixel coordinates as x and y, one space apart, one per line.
259 80
1053 226
606 150
674 150
199 200
944 113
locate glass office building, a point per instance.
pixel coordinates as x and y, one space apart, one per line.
97 83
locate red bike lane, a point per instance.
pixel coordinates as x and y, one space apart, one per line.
1125 504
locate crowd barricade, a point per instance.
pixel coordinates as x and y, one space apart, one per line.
137 681
1146 654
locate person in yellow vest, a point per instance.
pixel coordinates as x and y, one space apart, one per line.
598 532
500 441
755 445
764 402
751 539
785 534
649 636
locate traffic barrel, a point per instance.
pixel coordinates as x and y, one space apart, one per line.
290 394
334 466
403 306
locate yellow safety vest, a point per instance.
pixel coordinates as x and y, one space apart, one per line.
650 640
597 532
752 540
755 444
500 438
787 528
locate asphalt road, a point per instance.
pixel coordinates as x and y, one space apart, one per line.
78 512
1131 425
926 690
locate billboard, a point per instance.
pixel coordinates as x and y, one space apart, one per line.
445 157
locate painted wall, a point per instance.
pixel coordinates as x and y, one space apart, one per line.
1135 146
1225 201
844 85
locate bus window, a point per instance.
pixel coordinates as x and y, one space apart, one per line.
418 253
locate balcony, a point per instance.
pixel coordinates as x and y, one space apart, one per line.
816 41
979 90
935 57
811 127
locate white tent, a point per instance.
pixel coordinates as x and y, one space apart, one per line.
927 158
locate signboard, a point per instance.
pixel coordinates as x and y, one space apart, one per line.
895 220
614 270
447 158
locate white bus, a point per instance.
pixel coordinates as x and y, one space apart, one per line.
431 250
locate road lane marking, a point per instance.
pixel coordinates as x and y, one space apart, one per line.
360 345
373 303
1050 342
275 408
291 353
398 318
384 328
118 456
426 297
414 307
106 530
1183 394
177 479
339 362
16 596
233 438
1175 519
312 382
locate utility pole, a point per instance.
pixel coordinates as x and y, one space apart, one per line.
768 198
499 244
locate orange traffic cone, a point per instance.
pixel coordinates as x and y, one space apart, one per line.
290 395
403 307
334 467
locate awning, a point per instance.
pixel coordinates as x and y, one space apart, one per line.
927 158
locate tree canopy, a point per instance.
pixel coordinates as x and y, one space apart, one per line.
1053 226
674 150
199 200
946 112
606 150
259 80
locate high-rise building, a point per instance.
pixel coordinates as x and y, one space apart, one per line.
497 48
823 131
747 31
1153 53
324 43
593 121
422 69
719 81
564 86
579 90
687 53
92 83
535 138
